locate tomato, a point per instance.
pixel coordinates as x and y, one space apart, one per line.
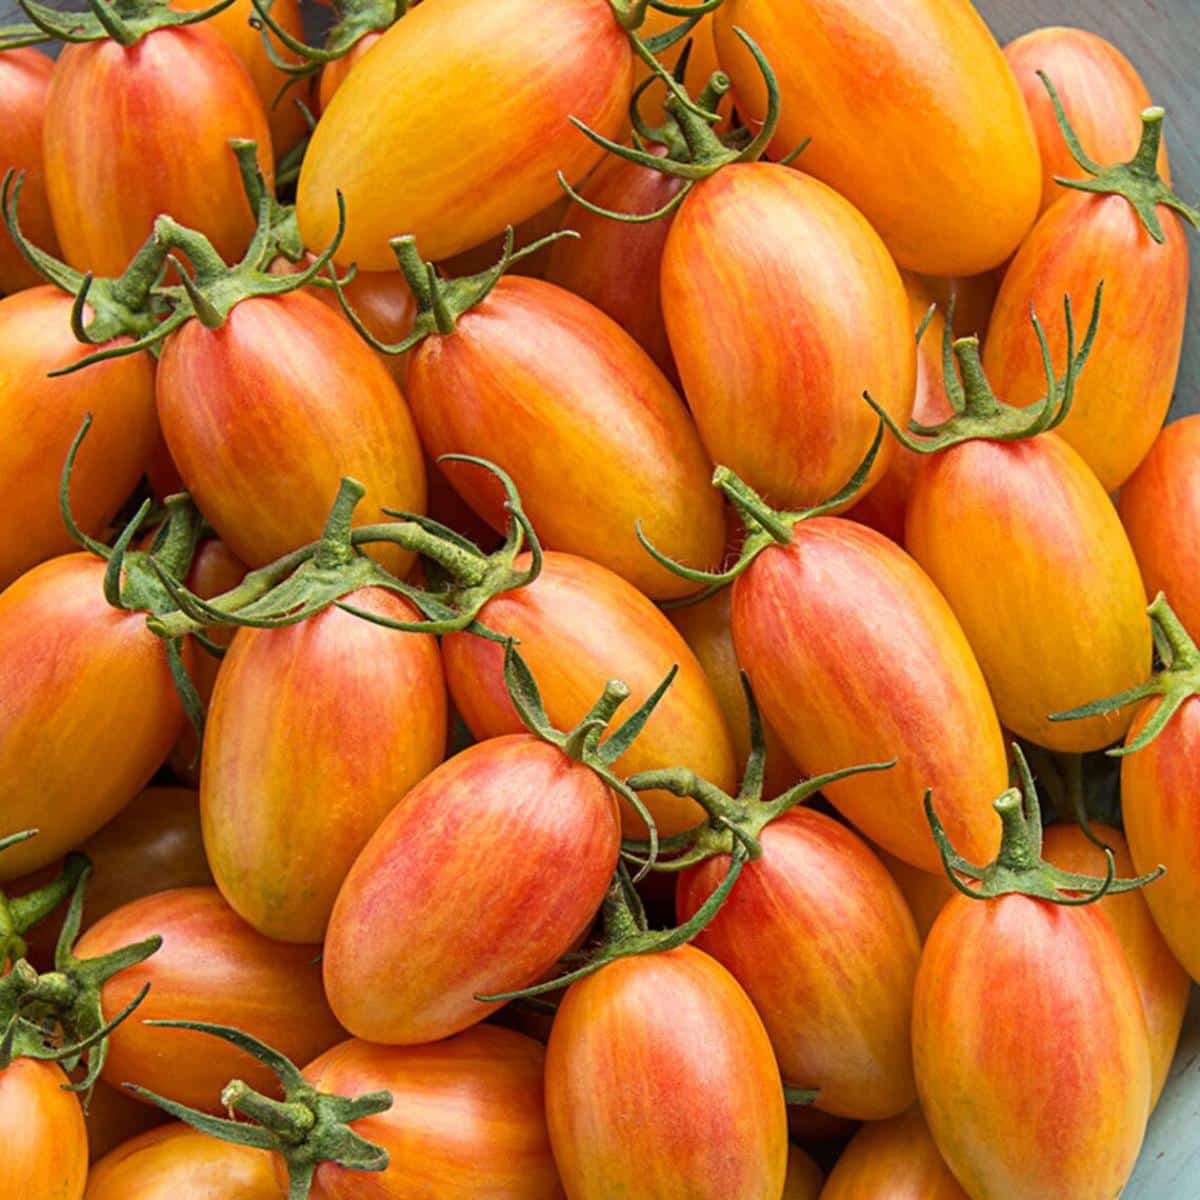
579 625
45 1144
333 74
89 711
973 296
812 1126
938 151
1024 1007
1160 508
1163 983
467 1118
177 1163
282 829
706 628
610 428
286 120
24 82
41 415
804 1177
1122 399
896 1159
870 663
114 1116
660 1081
384 302
1023 542
152 844
781 300
504 78
265 414
173 99
613 265
925 891
821 939
212 967
1100 89
485 256
512 832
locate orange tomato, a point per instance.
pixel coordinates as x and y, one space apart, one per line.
173 99
914 117
804 1177
1023 542
24 82
781 301
211 967
454 125
487 254
925 891
333 74
1101 92
115 1116
45 1144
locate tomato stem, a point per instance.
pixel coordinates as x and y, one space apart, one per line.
123 21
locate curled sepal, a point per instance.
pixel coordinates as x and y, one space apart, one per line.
978 412
19 914
305 1129
1176 682
1137 180
124 21
764 526
354 20
1018 865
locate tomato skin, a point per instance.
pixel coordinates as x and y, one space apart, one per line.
264 416
45 1144
804 1177
821 939
175 1162
660 1082
1025 1007
616 266
505 77
781 300
925 892
70 662
1159 787
24 82
281 829
115 1116
112 110
1023 542
466 1120
610 428
874 661
510 830
1123 394
40 416
211 967
1164 985
578 626
895 1158
333 74
1160 509
1100 89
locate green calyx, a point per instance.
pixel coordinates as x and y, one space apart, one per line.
124 21
583 743
1177 681
305 1129
735 823
1137 180
978 413
764 525
1019 866
354 19
631 14
440 302
19 914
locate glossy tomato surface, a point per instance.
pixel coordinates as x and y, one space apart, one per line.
578 626
660 1081
856 658
938 152
781 301
366 704
89 710
821 939
467 1118
211 967
266 414
333 74
173 99
925 892
40 416
455 123
45 1144
1025 1007
1023 542
591 431
510 831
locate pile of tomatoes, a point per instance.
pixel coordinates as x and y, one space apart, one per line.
560 563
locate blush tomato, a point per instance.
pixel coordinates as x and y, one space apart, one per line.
45 1143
